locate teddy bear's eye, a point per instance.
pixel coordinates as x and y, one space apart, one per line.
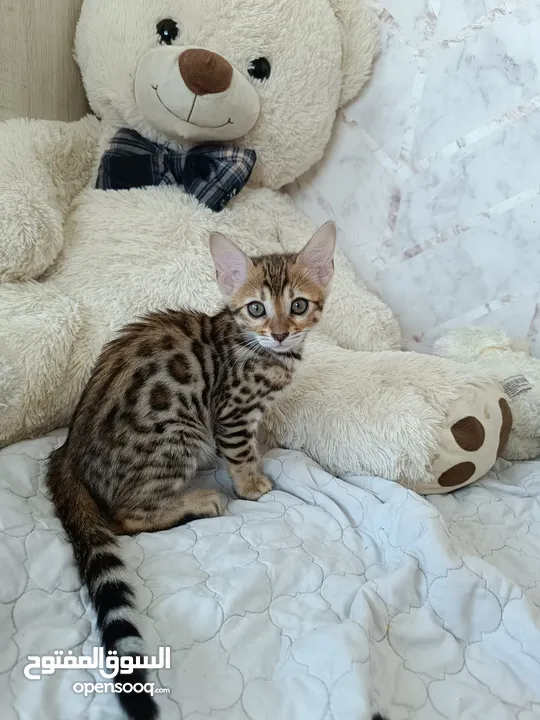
260 69
167 31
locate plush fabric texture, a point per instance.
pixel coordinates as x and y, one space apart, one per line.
44 166
321 54
508 361
194 94
76 263
213 175
360 43
394 418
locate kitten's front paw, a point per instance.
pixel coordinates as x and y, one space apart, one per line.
254 487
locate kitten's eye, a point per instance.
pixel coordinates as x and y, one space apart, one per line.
260 69
299 306
167 31
256 309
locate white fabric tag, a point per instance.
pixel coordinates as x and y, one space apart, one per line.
515 385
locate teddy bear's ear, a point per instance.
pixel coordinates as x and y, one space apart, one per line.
360 44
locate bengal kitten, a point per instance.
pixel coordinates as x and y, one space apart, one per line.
162 396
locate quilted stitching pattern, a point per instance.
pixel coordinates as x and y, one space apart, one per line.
324 601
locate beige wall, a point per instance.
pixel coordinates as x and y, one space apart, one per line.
38 76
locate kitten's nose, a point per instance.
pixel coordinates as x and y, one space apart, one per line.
280 337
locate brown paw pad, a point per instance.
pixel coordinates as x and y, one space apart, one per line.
457 475
507 421
469 433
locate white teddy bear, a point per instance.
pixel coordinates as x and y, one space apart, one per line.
206 109
493 354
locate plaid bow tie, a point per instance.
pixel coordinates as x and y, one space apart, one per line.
212 174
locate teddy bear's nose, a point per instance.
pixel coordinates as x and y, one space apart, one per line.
205 72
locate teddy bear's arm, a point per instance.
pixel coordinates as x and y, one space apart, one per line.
43 166
354 317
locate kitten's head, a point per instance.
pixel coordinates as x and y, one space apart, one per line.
276 299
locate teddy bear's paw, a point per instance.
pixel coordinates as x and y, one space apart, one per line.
27 248
520 448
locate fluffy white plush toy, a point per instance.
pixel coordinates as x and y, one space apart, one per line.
206 109
430 424
493 354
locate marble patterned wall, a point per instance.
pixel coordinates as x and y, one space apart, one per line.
434 173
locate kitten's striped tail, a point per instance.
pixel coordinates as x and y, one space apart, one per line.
103 571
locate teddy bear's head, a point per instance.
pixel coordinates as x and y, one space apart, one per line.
262 74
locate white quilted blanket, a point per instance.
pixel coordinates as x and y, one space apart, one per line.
326 600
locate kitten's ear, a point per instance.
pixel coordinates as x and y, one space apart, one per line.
232 265
317 258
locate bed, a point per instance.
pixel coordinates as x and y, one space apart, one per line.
329 599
